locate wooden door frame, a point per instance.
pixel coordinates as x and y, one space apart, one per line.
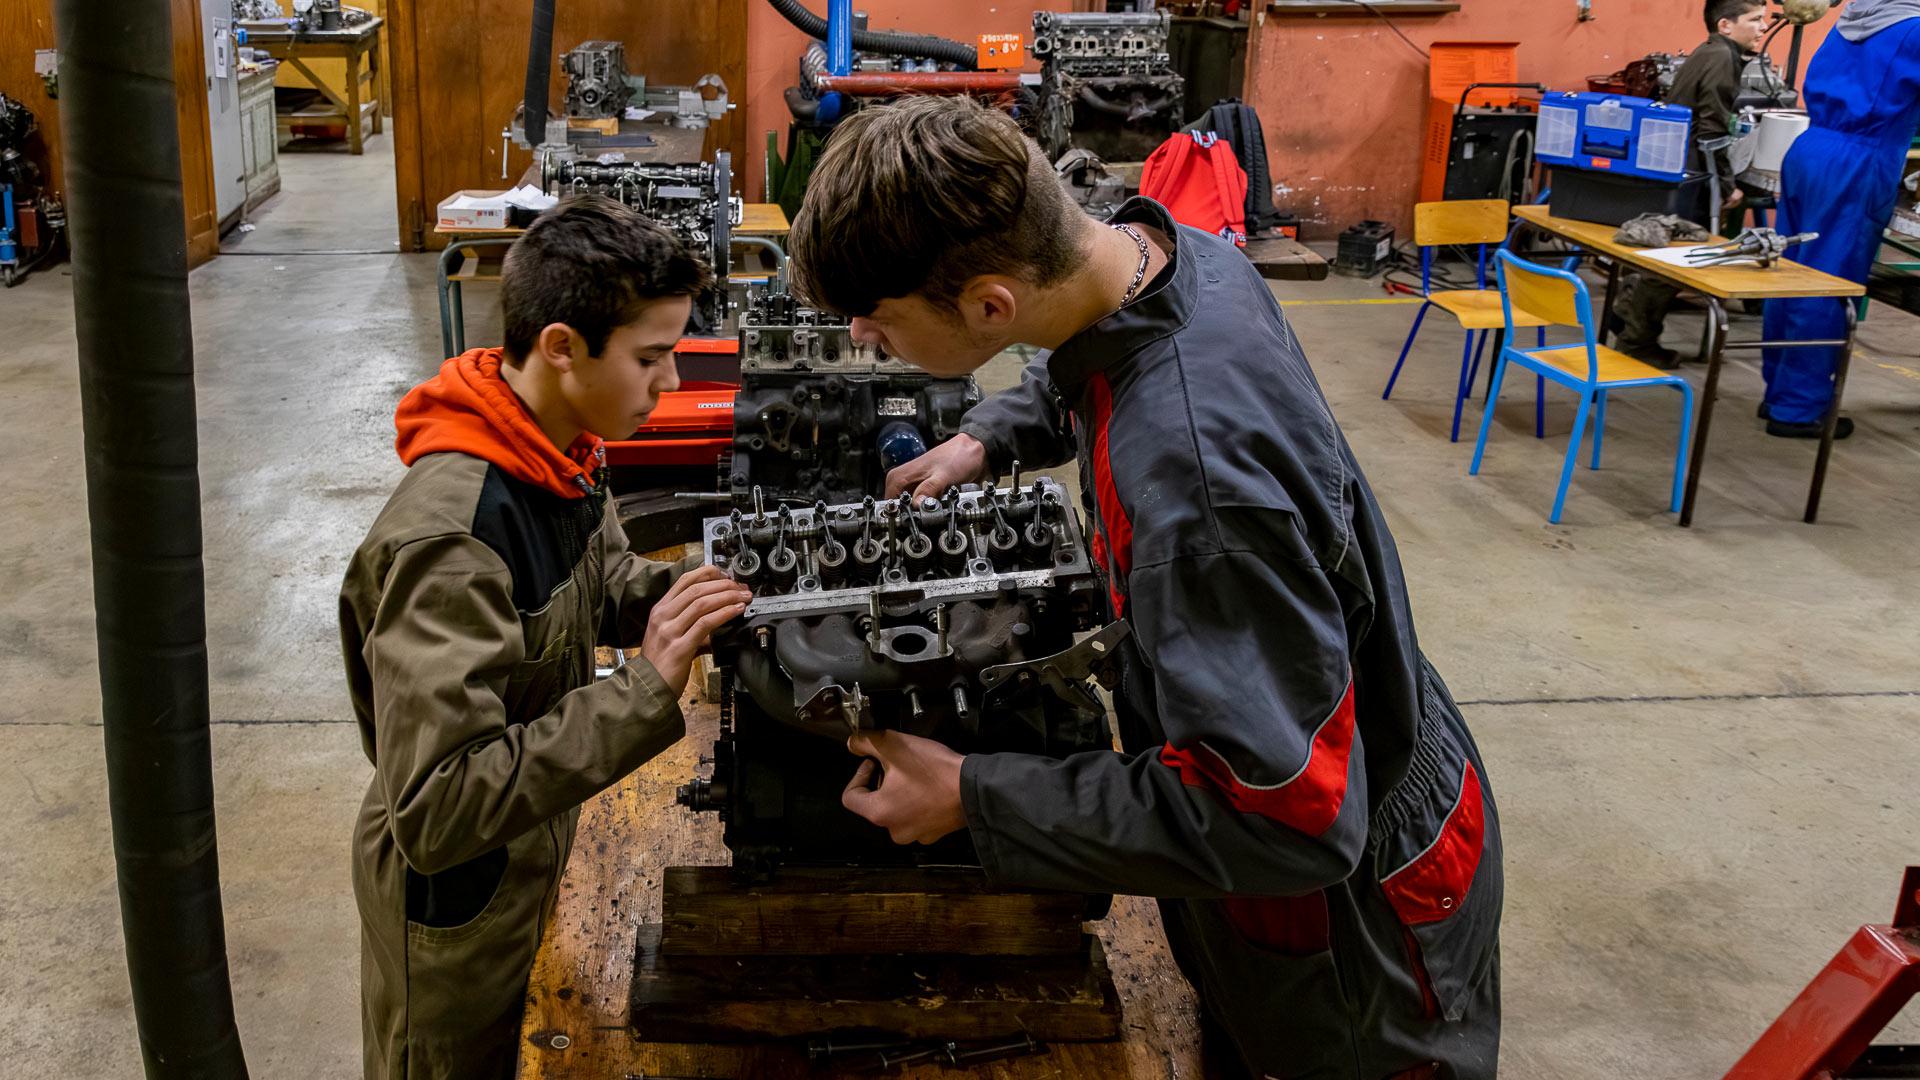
196 133
409 200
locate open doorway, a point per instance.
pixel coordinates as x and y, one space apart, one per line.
300 126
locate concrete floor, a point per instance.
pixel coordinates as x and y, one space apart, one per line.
1702 741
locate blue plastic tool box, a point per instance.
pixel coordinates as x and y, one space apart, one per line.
1609 133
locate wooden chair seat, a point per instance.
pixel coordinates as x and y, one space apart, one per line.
1479 309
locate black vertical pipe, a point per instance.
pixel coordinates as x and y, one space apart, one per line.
539 71
129 245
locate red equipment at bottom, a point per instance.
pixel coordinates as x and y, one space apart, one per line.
1826 1034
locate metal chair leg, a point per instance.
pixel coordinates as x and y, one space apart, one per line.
1680 455
1573 455
1469 362
1599 426
1486 412
1405 349
1540 396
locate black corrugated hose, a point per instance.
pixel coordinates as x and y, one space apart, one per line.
539 71
128 240
959 54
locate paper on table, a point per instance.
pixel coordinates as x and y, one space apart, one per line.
530 197
635 112
525 195
1678 256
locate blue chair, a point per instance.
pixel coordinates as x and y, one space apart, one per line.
1590 369
1479 222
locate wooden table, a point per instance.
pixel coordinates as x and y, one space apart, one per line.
576 1024
354 45
1719 284
761 224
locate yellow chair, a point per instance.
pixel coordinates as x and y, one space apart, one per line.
1478 222
1589 368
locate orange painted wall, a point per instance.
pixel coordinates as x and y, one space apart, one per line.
774 47
1343 101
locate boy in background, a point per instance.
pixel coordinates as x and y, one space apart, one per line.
1708 83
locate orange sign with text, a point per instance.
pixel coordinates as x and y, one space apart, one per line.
999 52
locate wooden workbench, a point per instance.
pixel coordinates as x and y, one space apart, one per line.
577 998
1719 285
356 45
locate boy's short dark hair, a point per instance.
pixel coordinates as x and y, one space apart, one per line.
922 196
1728 9
591 263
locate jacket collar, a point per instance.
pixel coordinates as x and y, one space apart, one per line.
469 409
1727 43
1158 313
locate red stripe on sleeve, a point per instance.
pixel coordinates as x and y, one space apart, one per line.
1434 884
1309 800
1113 517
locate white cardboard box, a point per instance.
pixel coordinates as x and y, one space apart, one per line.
472 217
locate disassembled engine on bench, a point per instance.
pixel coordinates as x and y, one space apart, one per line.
953 620
1107 83
820 416
693 201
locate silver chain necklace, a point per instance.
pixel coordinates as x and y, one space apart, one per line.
1140 272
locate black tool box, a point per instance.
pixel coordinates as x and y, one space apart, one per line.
1365 249
1610 199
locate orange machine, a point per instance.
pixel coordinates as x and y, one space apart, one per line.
694 425
1456 67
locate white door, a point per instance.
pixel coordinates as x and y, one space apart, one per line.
223 107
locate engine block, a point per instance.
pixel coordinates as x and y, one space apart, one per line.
953 620
597 86
694 201
1107 82
813 405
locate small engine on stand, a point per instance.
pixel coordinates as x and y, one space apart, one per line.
597 85
694 201
1107 83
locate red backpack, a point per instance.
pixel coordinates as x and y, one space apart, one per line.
1195 176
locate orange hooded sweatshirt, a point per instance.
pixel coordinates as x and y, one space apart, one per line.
469 409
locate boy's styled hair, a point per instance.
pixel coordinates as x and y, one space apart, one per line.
922 196
1728 9
591 263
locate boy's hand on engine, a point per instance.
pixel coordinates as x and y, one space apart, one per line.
680 624
960 460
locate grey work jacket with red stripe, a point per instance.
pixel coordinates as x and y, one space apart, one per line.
1284 736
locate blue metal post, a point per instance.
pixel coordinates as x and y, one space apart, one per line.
839 53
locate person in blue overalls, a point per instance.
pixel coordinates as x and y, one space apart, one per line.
1841 180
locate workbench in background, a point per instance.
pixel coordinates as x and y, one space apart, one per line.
1720 285
576 1024
357 104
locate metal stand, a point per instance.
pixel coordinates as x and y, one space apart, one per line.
1826 1034
453 326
